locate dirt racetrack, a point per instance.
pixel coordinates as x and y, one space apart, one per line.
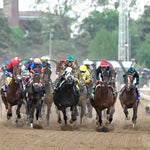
117 136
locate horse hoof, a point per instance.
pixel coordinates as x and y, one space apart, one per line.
59 121
127 118
31 125
71 121
18 116
133 125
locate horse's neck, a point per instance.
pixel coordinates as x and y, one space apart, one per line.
48 87
13 85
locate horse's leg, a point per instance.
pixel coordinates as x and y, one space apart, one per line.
73 115
59 115
89 114
83 111
19 104
38 112
65 116
9 112
48 113
33 106
134 114
110 114
126 113
28 110
100 117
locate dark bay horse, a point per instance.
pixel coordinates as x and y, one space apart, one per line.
67 96
128 97
13 93
33 96
48 92
104 99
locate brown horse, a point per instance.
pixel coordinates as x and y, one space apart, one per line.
33 96
104 99
128 97
13 93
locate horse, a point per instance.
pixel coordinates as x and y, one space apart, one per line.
48 92
67 96
128 97
13 93
34 94
104 99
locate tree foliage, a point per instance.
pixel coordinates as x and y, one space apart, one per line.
104 45
96 20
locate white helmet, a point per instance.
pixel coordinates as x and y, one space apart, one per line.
87 62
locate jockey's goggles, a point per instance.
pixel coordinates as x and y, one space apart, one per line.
82 71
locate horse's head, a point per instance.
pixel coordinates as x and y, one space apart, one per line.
36 85
47 74
69 76
17 74
105 77
113 75
129 81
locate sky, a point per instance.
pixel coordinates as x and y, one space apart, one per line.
26 5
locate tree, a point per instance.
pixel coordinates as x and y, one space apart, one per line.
5 38
143 53
104 45
96 20
144 23
5 32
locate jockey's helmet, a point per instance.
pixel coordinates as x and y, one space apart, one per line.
14 62
87 62
63 59
26 62
83 68
70 58
44 59
103 64
18 59
131 69
37 61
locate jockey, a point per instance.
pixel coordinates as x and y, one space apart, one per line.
28 63
9 69
135 74
83 73
88 64
36 67
103 67
60 66
69 63
9 72
18 59
45 63
25 72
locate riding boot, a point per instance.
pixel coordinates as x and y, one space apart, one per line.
93 92
3 88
